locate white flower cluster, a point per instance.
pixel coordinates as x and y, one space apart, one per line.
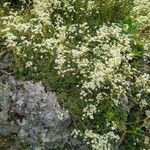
147 47
99 59
141 13
98 56
141 16
100 142
97 142
102 59
109 49
33 36
143 85
89 111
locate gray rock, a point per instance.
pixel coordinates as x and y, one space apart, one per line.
34 115
78 145
7 128
5 60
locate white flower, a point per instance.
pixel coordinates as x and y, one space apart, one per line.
29 64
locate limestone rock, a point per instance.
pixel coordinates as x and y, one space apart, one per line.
33 114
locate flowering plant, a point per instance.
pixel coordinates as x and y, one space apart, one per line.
98 64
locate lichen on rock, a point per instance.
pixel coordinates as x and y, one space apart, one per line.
33 115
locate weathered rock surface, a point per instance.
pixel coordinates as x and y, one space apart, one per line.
32 115
33 118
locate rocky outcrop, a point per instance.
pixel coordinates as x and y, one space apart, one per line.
32 115
32 118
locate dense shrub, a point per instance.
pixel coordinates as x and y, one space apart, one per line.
95 55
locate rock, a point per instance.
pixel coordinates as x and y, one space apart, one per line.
30 117
78 145
7 129
5 60
34 115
